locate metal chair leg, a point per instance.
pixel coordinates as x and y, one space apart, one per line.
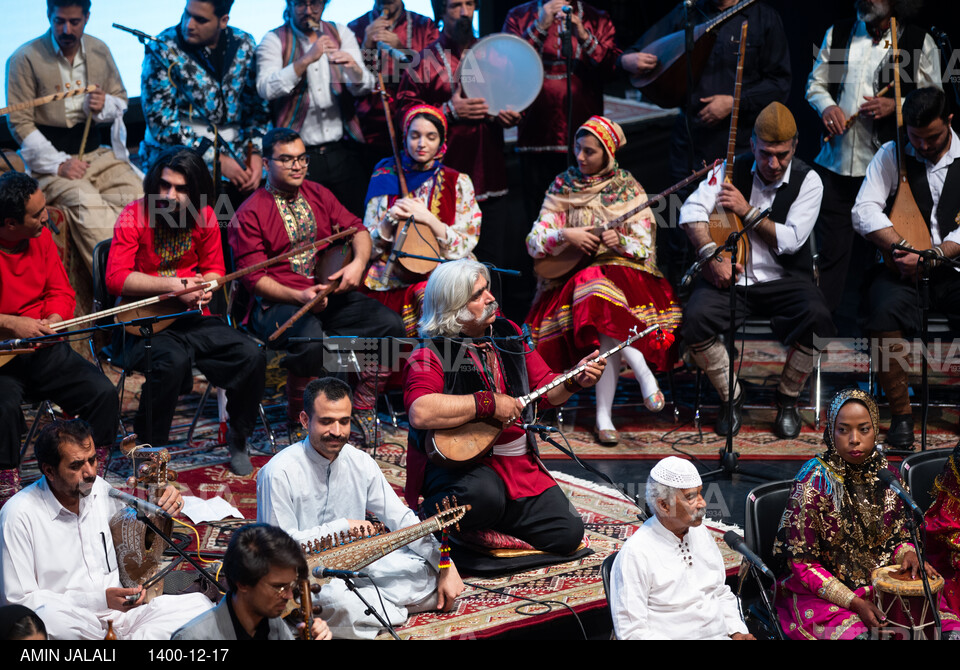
196 417
45 407
266 424
819 394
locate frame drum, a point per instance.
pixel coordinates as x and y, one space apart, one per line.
504 70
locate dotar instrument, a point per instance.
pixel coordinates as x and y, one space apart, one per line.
903 601
355 550
905 216
460 446
722 222
572 259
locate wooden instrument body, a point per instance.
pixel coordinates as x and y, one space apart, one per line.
417 239
904 604
721 224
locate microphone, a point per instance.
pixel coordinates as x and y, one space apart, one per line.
138 504
527 337
891 482
321 572
736 543
540 428
138 33
395 54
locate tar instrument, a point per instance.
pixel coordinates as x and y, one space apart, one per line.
666 84
67 92
905 216
355 550
502 69
853 118
903 601
722 222
139 549
460 446
571 258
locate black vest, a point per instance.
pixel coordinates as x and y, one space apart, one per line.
948 209
800 262
909 41
461 376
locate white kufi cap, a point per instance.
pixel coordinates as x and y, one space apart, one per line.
677 473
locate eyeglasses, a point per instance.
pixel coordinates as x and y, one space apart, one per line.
289 161
312 4
282 591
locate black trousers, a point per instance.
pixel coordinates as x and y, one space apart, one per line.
228 359
340 166
549 522
347 314
890 303
795 306
59 374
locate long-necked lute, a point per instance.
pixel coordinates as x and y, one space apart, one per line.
666 84
353 551
456 447
722 222
572 259
905 216
67 92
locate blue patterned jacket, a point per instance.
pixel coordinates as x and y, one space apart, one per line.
179 89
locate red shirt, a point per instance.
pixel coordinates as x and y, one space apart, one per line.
133 250
34 283
522 475
257 233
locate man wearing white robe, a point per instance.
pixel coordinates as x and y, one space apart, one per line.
57 555
667 582
323 486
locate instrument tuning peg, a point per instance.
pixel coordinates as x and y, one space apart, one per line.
315 589
131 482
317 610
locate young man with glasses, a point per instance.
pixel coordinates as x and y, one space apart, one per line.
287 213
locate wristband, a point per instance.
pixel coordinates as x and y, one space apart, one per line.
485 404
706 250
571 385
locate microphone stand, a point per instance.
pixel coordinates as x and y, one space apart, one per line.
566 50
141 516
353 588
767 604
688 50
921 556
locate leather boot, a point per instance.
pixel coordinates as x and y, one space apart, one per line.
788 421
900 435
724 422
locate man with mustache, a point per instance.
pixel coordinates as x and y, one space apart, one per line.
58 555
323 486
889 311
460 375
854 63
392 23
667 581
91 189
166 242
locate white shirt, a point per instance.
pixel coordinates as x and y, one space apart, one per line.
274 80
849 154
51 554
666 588
762 264
882 179
310 497
39 154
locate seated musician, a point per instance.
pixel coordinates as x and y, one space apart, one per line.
667 581
323 486
58 555
619 290
840 524
263 567
774 281
889 309
168 241
509 489
288 213
441 199
943 529
35 295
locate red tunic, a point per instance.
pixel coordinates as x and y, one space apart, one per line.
34 283
474 147
257 233
522 475
544 124
134 250
416 33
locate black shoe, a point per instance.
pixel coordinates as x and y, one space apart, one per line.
723 421
239 459
900 434
788 421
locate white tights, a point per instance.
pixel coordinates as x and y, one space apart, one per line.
607 386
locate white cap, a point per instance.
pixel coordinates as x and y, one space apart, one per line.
677 473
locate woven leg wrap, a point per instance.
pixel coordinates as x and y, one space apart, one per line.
711 357
796 370
892 366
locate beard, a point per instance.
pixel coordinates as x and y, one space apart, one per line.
869 12
462 31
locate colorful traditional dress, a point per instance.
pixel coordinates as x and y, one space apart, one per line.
620 290
943 530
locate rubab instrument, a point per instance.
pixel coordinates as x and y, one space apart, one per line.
905 216
356 550
722 222
456 447
571 258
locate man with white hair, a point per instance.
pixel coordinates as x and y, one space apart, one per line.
668 580
473 367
